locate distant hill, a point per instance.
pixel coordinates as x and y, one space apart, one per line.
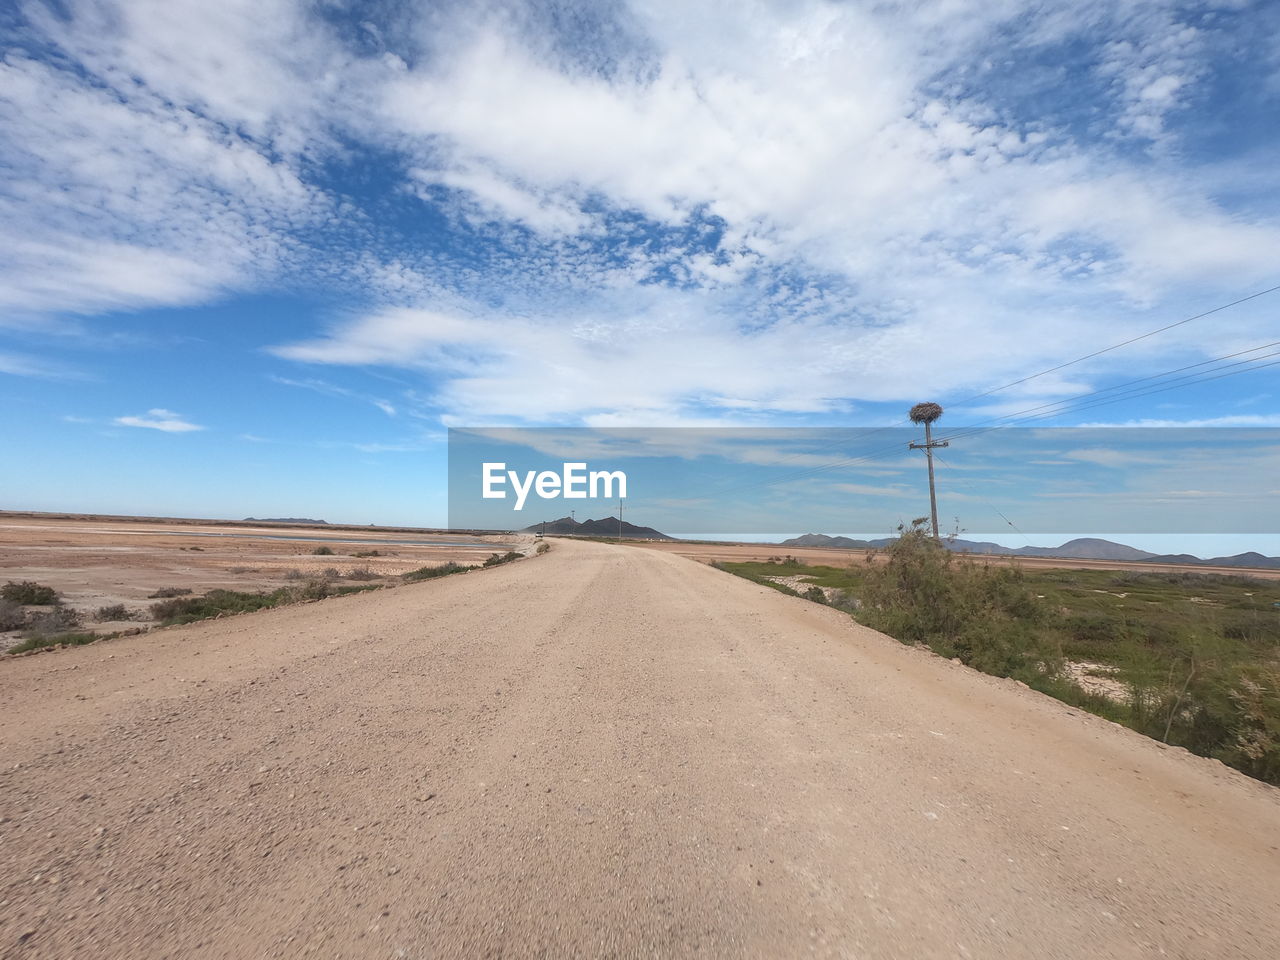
282 520
1083 548
1250 559
608 527
843 543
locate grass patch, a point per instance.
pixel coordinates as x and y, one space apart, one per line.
542 548
431 573
37 642
322 552
366 553
497 559
29 593
165 592
760 572
1198 654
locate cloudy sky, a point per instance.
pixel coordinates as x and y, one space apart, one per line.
257 256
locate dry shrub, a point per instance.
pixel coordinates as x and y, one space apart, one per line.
12 616
114 612
29 593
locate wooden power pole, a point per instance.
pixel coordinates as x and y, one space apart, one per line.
928 413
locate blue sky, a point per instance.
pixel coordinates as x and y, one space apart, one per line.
259 256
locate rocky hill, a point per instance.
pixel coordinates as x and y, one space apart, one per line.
607 527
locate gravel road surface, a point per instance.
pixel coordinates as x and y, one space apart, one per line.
600 752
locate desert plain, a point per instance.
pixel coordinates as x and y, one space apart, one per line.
96 561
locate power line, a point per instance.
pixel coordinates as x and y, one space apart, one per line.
1116 346
896 448
1073 403
1194 379
968 486
1068 405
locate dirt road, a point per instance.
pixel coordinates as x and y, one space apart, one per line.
603 751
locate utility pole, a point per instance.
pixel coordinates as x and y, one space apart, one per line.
928 413
619 519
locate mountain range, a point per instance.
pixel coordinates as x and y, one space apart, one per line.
608 527
1083 548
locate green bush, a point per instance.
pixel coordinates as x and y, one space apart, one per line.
322 552
542 548
366 553
26 592
361 573
984 615
497 559
166 592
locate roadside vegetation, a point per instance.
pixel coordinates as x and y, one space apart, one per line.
1189 659
39 614
220 603
431 573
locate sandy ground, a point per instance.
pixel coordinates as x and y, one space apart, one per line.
97 562
602 751
827 556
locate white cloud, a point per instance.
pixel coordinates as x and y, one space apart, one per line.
865 490
21 365
333 390
152 177
712 211
159 419
1235 420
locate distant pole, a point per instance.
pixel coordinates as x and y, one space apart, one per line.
619 519
928 413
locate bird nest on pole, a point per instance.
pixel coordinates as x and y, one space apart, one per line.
925 413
